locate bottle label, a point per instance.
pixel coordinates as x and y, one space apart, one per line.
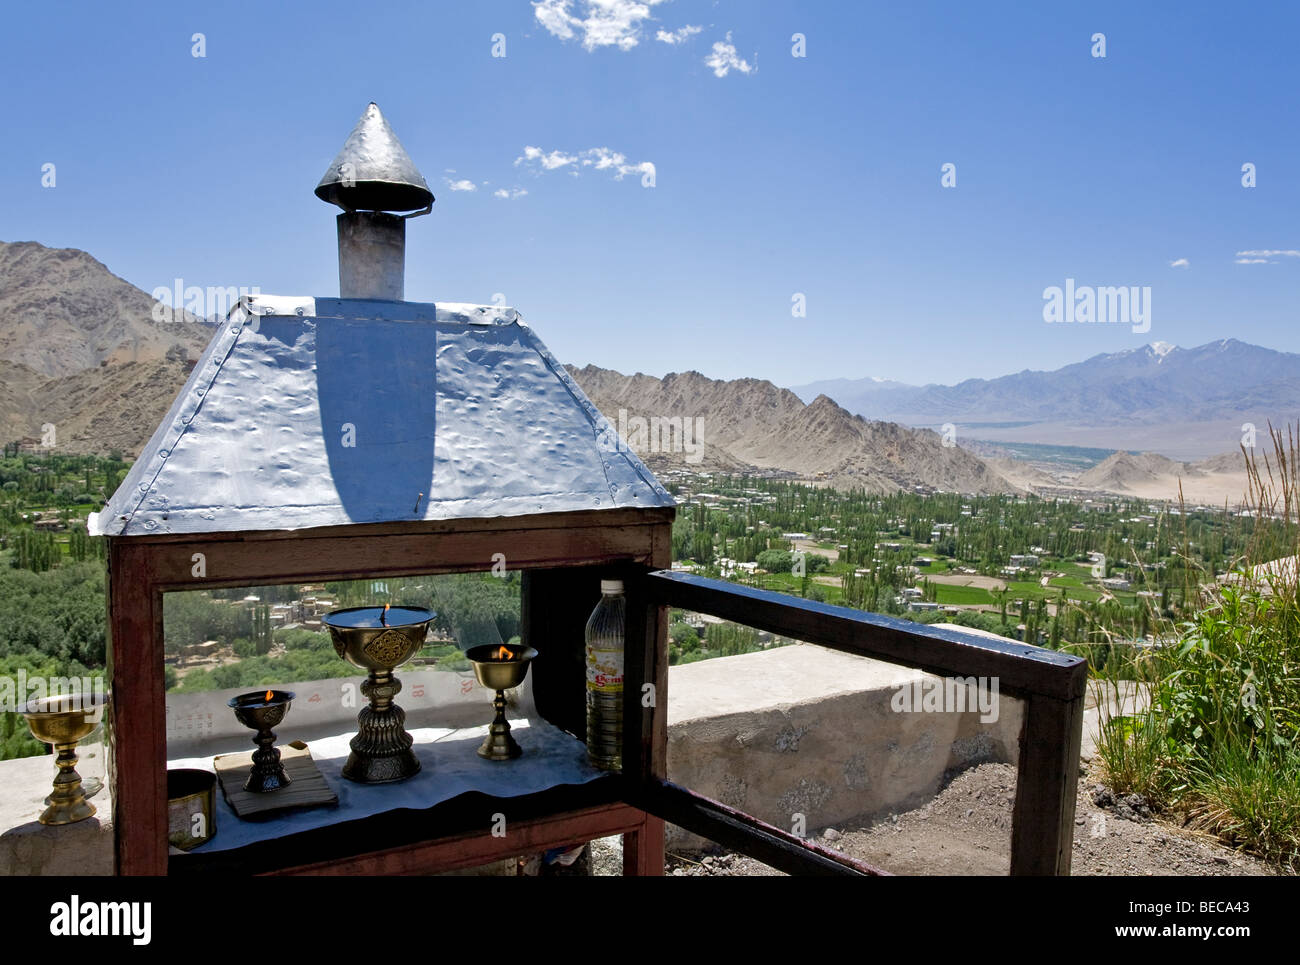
605 670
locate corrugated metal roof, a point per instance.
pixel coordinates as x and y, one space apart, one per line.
308 412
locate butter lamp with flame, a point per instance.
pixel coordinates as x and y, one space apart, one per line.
499 669
262 711
378 640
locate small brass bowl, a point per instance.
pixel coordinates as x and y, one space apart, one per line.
191 807
379 649
500 674
63 720
256 711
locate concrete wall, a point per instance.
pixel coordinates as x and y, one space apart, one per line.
805 730
28 847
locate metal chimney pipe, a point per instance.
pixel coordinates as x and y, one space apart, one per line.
372 255
371 176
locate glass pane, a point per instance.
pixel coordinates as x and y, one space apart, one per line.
903 770
221 644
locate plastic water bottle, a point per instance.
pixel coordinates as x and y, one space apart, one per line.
605 677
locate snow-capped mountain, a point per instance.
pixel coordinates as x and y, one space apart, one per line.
1148 385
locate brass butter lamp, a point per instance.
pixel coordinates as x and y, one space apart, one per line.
378 640
500 668
261 712
62 721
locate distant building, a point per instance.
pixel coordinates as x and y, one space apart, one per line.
728 567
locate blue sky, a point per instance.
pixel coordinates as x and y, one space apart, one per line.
817 175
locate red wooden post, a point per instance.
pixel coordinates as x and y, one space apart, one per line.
137 732
643 849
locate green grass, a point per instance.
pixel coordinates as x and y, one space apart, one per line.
1075 573
1221 739
1134 749
961 595
1017 589
1024 589
789 583
1252 800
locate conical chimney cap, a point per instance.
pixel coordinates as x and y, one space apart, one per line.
373 172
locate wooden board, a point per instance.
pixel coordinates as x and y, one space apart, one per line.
456 833
307 790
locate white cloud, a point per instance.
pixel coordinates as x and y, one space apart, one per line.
512 195
596 158
1255 261
602 159
463 184
556 159
1180 263
554 16
678 36
1269 253
601 23
724 59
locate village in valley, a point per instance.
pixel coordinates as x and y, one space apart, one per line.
1046 571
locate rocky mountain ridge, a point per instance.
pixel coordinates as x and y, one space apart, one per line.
751 422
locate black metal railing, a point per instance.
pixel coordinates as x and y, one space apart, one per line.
1050 683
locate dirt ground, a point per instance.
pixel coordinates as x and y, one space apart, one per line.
810 547
966 830
969 579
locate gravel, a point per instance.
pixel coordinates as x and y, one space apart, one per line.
966 830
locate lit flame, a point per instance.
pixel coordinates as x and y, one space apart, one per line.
270 696
503 654
383 617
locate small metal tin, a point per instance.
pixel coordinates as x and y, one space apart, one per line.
191 807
